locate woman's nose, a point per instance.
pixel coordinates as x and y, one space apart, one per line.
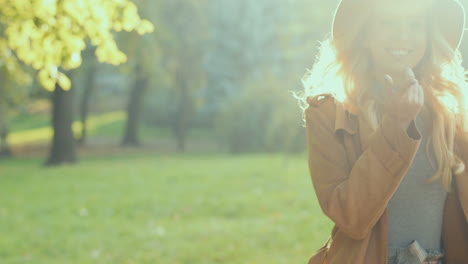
403 32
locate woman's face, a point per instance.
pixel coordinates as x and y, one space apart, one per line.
397 36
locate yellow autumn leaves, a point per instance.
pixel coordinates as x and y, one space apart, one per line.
50 35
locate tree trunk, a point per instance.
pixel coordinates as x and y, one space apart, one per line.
84 106
5 150
181 125
4 146
134 108
63 149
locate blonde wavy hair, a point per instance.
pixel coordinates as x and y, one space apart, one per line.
342 69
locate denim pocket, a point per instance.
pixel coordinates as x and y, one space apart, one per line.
415 254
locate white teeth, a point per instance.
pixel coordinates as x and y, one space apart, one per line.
399 52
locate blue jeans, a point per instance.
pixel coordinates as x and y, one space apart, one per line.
414 254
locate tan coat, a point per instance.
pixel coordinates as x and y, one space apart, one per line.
356 171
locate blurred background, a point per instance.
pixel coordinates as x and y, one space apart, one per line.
157 131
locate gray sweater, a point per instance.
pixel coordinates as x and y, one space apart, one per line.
415 211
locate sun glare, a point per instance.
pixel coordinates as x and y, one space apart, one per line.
324 77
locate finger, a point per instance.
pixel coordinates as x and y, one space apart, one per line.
388 85
409 74
404 91
409 78
417 93
407 83
421 94
411 95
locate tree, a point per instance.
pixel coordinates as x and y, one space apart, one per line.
134 107
12 93
142 63
184 46
254 38
258 53
50 35
88 89
244 47
63 148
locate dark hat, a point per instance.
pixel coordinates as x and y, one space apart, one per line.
449 16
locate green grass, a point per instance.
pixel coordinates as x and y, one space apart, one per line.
29 121
115 130
32 129
160 209
35 128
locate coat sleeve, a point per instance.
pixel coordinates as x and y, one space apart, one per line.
354 196
461 150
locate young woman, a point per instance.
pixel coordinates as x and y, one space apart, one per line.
385 115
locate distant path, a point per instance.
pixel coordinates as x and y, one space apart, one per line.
106 146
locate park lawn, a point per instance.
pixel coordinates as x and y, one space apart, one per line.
192 208
30 129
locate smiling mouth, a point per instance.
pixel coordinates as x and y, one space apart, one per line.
399 52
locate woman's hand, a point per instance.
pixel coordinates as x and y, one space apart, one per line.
404 100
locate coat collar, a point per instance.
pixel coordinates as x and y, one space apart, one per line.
344 120
352 124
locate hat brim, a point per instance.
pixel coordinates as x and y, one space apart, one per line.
449 16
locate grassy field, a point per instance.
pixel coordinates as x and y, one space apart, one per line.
32 130
192 208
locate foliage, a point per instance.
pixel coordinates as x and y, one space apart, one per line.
265 117
241 49
272 36
284 131
50 35
13 92
160 108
